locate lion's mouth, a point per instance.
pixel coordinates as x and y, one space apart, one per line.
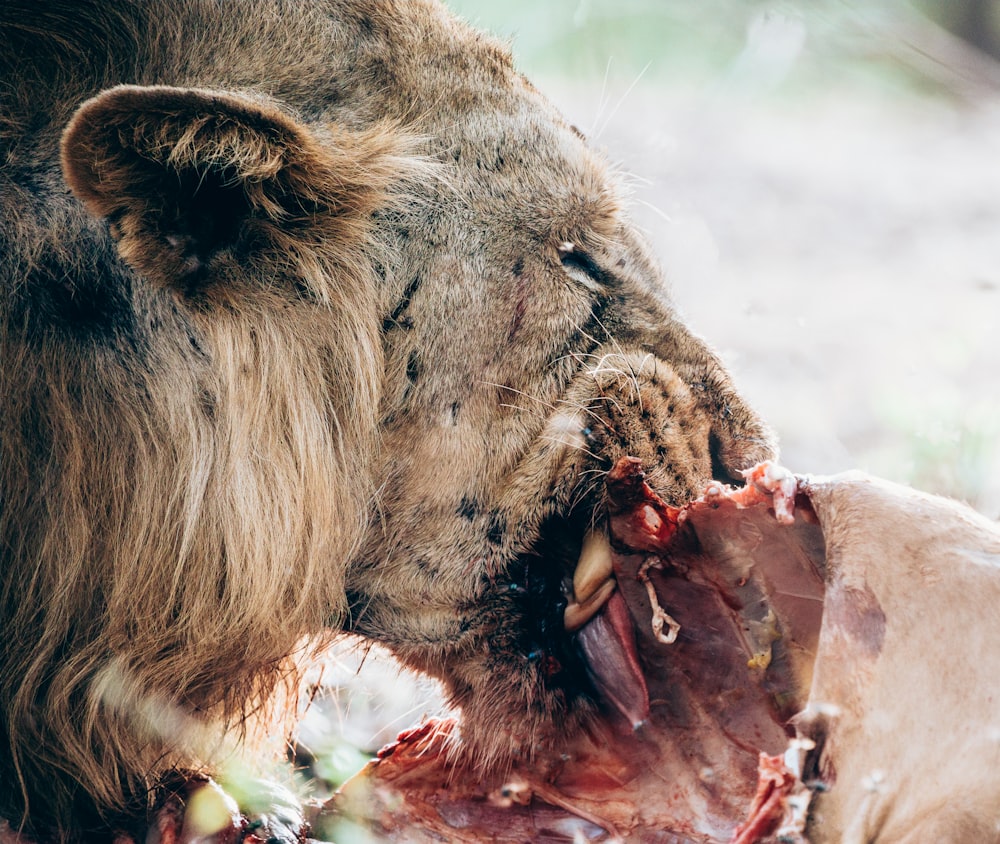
624 565
599 618
700 644
577 603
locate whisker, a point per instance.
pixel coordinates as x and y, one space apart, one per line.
584 494
610 336
576 405
523 410
621 101
576 446
613 401
656 210
577 356
518 392
602 99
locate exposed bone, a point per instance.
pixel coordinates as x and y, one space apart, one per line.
660 616
578 614
793 824
868 764
781 484
594 566
557 798
514 792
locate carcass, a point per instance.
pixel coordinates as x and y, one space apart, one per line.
800 659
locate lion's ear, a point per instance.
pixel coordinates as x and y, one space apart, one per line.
196 183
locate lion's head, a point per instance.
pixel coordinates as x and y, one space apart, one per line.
341 325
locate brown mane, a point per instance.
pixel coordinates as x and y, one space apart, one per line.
175 531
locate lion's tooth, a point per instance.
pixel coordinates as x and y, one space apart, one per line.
578 614
594 566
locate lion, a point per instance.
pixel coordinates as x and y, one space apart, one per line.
316 316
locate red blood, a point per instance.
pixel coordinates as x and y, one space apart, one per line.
774 785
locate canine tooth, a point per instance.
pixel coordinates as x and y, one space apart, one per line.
578 614
594 566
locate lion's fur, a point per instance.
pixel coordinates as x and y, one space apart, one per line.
307 348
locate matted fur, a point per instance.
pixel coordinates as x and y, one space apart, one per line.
340 316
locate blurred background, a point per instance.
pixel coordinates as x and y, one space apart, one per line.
822 182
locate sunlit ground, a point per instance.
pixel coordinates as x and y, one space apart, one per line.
825 197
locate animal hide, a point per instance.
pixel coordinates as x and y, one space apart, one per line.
815 659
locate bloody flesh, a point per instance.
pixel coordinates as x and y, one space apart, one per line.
675 756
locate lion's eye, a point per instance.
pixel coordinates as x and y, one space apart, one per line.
582 268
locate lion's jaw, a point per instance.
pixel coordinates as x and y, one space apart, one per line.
498 580
529 343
